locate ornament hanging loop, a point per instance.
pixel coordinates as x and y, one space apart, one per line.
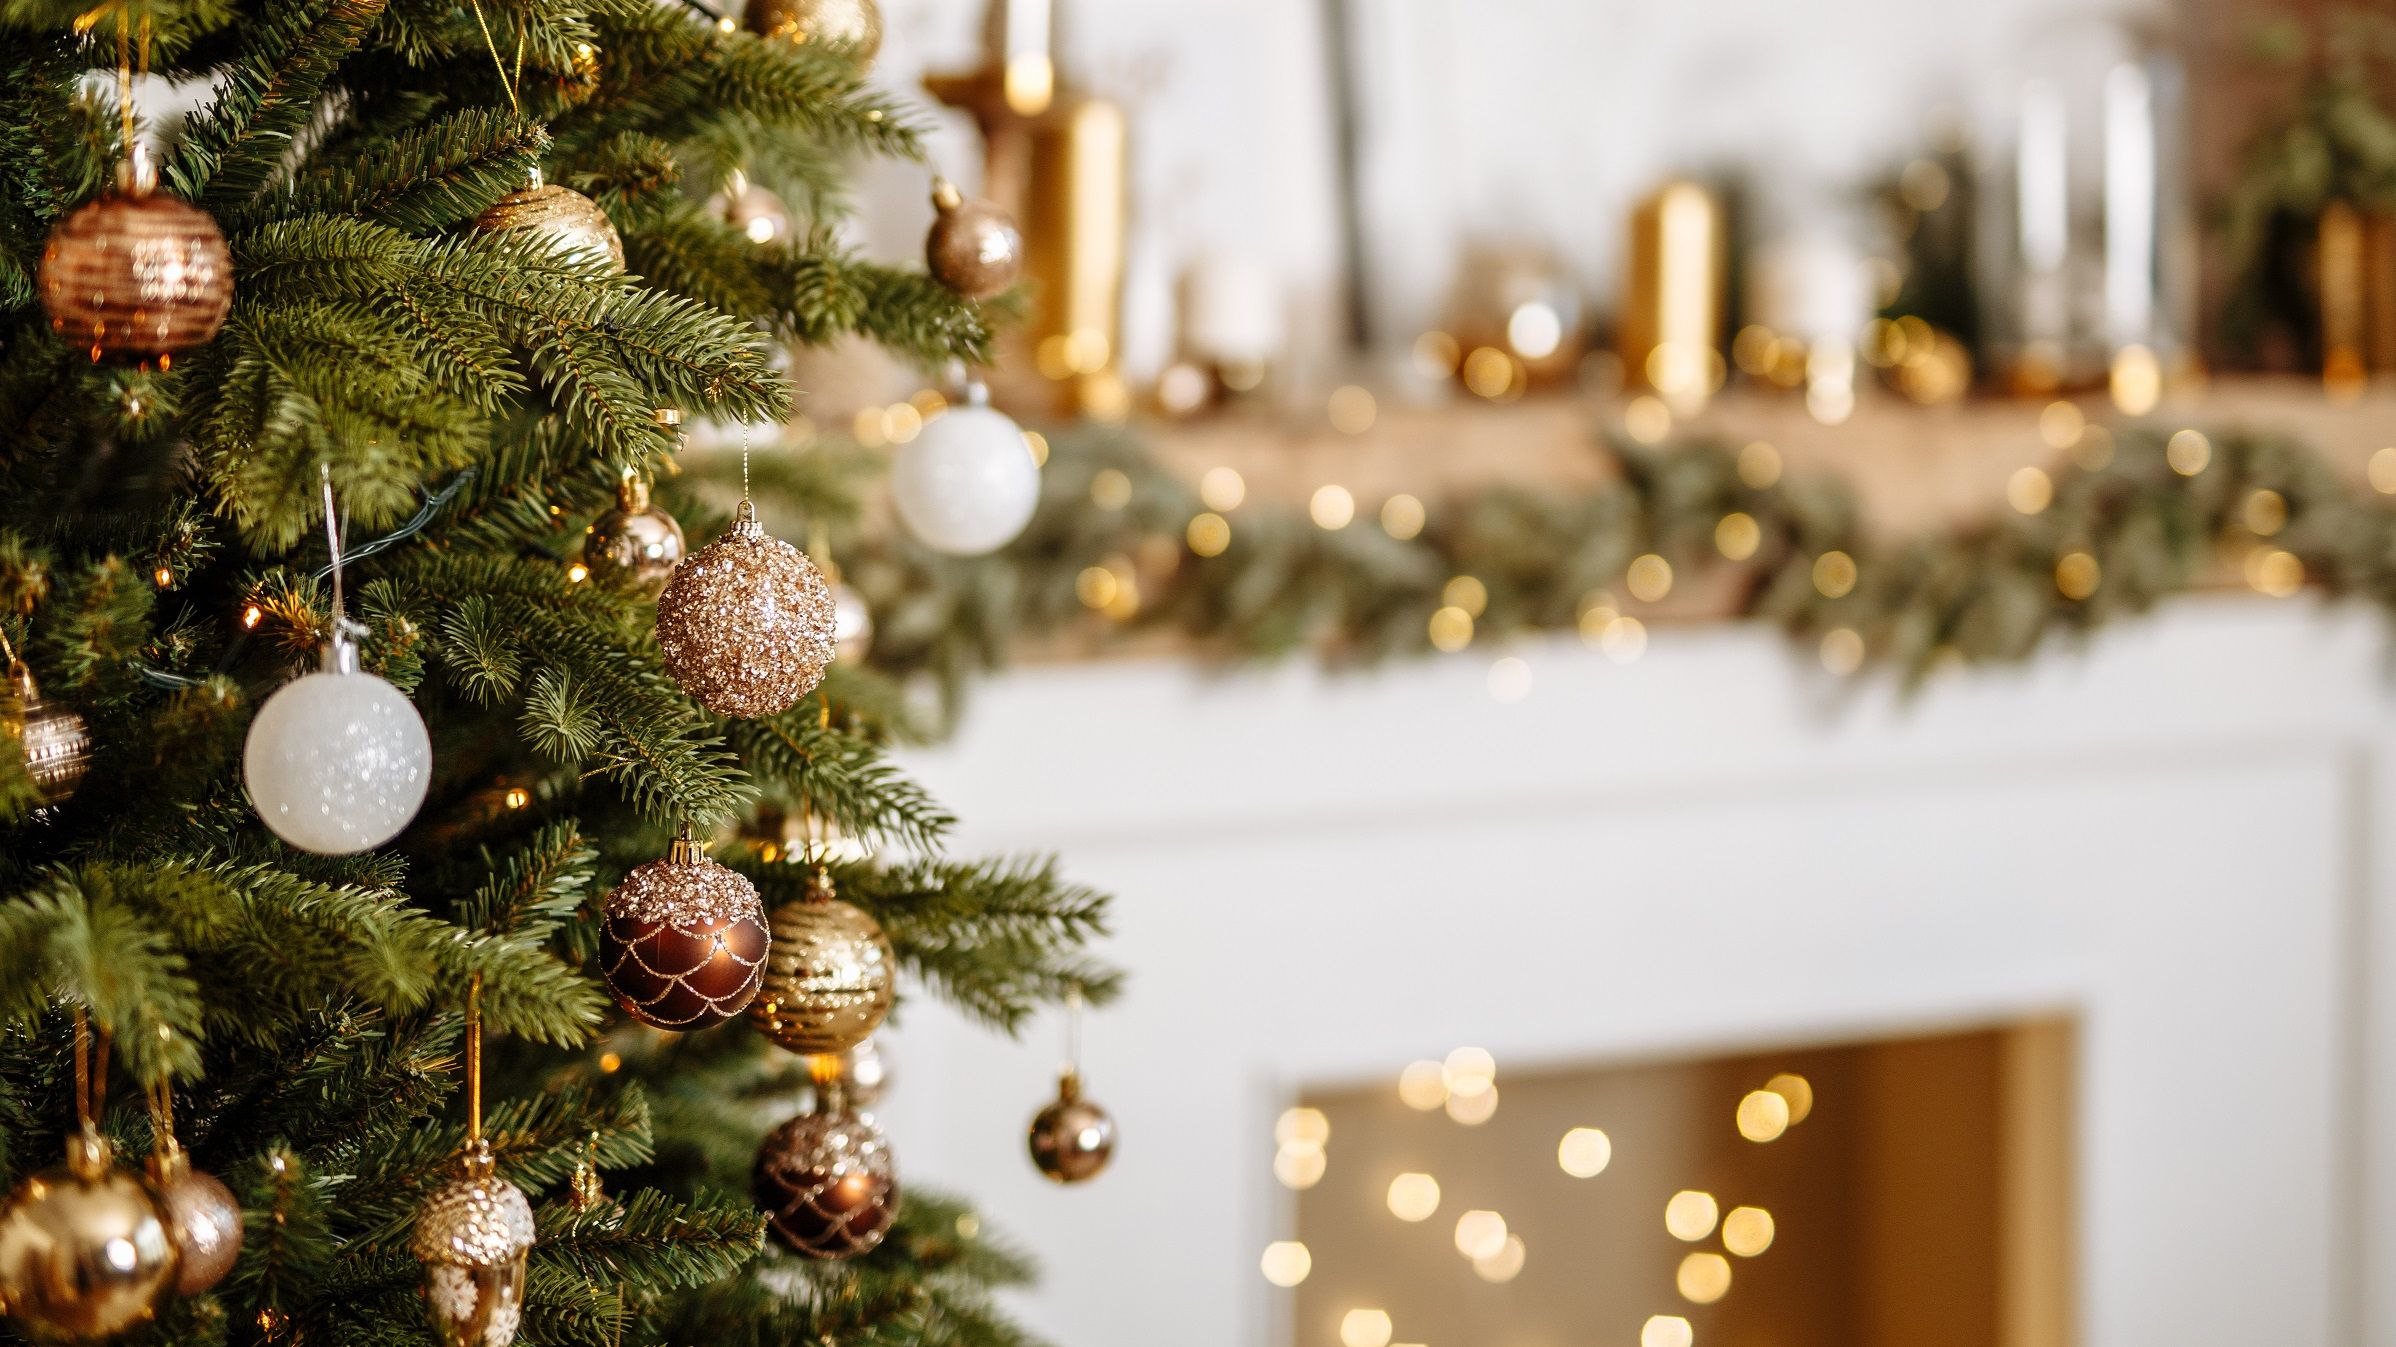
1071 1074
87 1150
341 645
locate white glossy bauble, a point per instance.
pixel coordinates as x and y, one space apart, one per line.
337 762
967 484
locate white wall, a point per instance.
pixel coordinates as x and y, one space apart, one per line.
2177 833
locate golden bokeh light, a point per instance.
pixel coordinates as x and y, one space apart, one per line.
1302 1127
2274 571
1759 465
1097 587
1747 1231
1352 409
1479 1234
1492 373
1299 1167
1737 536
1690 1215
1646 419
1451 629
1504 1265
1467 593
2265 512
1422 1086
1472 1110
1797 1090
1842 650
1222 489
1413 1197
1436 355
2060 425
866 428
2029 490
1703 1278
1624 640
1286 1262
2383 471
901 422
1402 517
1509 679
1208 534
1364 1328
1666 1330
1331 507
1763 1116
2188 452
2137 380
1110 489
2077 575
1834 575
1649 578
1036 444
1469 1071
1584 1152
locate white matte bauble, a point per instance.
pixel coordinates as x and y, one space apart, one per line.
337 761
966 484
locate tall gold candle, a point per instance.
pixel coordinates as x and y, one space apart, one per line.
1672 297
1076 222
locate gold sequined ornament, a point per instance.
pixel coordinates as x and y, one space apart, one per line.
566 220
974 247
826 1178
138 276
746 623
853 23
56 745
829 977
85 1248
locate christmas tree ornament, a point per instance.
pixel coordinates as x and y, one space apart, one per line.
337 761
636 543
56 745
828 979
974 247
746 622
684 941
85 1248
473 1233
561 218
138 276
202 1215
852 23
852 625
966 484
1072 1139
826 1179
583 1188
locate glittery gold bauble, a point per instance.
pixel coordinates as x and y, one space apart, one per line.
56 745
1072 1139
974 247
568 221
746 623
471 1236
202 1217
828 979
137 277
855 23
684 943
85 1249
827 1183
636 542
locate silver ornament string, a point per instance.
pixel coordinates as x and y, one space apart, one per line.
332 538
1073 1030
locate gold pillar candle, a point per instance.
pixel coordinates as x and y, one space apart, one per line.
1077 220
1672 300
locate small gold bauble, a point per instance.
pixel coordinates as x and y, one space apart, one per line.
565 219
202 1216
827 1182
472 1235
85 1250
635 543
974 247
137 276
828 975
1072 1139
56 745
746 623
854 23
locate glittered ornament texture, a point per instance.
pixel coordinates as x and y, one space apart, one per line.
136 276
684 943
471 1236
828 981
827 1184
746 624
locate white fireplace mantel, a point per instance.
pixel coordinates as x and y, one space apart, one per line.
2181 832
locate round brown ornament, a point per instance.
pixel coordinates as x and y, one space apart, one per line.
568 221
974 247
202 1216
828 980
746 623
854 23
827 1182
138 276
472 1235
684 942
85 1249
1072 1139
56 745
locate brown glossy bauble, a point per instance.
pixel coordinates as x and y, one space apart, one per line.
854 23
635 544
684 942
828 980
827 1183
202 1217
138 276
974 247
566 220
84 1248
1072 1139
472 1235
56 745
746 623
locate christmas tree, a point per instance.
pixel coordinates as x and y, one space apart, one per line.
470 251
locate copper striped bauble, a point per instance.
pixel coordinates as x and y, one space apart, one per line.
829 979
137 277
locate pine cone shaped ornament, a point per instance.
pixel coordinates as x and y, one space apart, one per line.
827 1181
138 276
828 980
746 624
684 943
472 1235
